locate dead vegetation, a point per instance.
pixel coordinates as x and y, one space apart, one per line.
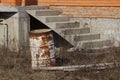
90 57
16 66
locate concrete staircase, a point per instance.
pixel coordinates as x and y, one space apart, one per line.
70 30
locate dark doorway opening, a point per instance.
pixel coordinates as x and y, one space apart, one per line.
6 15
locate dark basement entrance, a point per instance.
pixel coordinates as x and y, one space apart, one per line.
58 40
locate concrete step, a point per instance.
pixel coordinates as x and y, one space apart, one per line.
75 38
69 30
74 31
64 25
88 36
67 25
95 44
57 19
35 7
47 12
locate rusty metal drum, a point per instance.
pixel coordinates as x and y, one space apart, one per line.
42 48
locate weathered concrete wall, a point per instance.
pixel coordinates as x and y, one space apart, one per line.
24 28
13 38
108 28
2 34
18 27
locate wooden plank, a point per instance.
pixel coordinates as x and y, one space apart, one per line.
91 12
64 2
81 2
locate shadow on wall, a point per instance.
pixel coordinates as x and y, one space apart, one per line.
36 24
31 2
58 40
6 15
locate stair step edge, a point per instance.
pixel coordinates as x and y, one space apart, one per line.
81 43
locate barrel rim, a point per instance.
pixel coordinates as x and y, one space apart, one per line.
38 31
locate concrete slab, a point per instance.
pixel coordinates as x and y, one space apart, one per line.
95 44
8 9
85 37
47 12
69 24
74 31
21 8
36 7
57 19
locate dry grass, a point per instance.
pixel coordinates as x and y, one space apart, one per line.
16 66
88 57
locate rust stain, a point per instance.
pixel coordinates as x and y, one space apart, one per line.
42 48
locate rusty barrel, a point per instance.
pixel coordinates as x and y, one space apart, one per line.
42 48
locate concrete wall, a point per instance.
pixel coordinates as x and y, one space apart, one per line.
13 38
2 34
24 28
18 29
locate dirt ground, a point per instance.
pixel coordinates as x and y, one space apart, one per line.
16 66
